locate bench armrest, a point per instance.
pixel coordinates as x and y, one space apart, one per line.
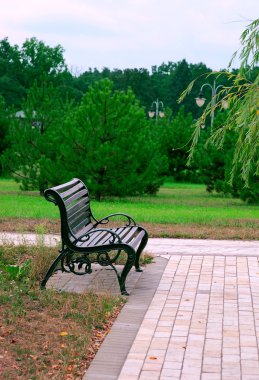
86 236
105 220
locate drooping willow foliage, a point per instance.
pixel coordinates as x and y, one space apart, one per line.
243 112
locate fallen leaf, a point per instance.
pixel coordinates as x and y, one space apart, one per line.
56 366
152 357
63 333
34 357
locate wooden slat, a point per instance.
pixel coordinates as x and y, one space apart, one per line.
76 229
127 234
137 240
84 230
105 239
76 196
77 206
71 190
91 242
81 213
66 185
81 232
79 223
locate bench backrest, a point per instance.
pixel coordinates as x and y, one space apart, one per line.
73 201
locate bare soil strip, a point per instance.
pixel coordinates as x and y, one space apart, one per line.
192 231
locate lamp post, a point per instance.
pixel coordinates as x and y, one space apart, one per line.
200 100
159 109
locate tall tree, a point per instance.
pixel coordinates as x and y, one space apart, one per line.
4 125
11 74
40 60
31 137
20 67
108 143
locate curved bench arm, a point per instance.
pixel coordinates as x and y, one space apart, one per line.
85 237
105 220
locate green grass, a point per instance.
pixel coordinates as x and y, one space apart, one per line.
174 204
26 206
8 185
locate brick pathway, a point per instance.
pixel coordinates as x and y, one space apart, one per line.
203 322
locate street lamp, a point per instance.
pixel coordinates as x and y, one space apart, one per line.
159 109
200 100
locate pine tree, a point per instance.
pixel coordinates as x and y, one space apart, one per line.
110 145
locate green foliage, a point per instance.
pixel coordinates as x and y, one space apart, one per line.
242 96
30 137
108 143
249 54
34 61
177 144
165 82
39 156
11 73
4 124
38 59
15 272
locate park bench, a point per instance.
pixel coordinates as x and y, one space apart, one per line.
86 240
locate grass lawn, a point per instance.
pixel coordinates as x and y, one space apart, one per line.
178 210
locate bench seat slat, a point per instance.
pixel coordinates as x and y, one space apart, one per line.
103 238
95 239
138 239
127 233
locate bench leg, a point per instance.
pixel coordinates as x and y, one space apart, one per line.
139 250
52 268
122 278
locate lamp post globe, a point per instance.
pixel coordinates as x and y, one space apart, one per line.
159 109
200 100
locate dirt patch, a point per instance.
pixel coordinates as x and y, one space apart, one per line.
21 225
242 231
203 232
39 341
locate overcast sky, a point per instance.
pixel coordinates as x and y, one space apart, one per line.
131 33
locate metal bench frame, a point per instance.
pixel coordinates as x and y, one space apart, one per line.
85 240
